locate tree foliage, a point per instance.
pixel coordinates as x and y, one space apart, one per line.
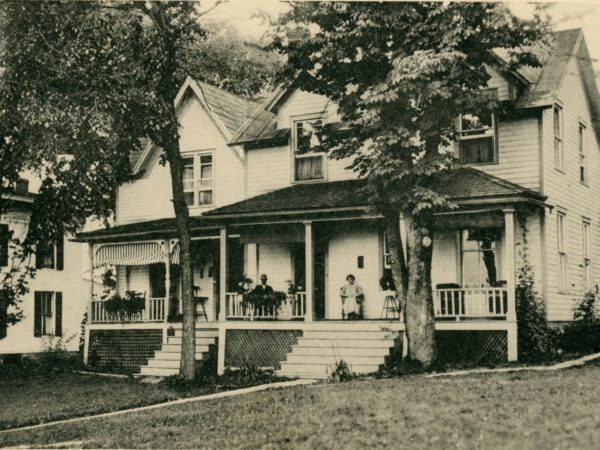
400 74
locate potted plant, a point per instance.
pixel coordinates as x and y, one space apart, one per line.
125 307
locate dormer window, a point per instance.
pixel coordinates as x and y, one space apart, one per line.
477 139
308 165
198 179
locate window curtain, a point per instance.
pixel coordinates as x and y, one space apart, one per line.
309 168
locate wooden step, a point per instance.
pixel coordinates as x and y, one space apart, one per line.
332 360
322 370
349 335
158 371
340 352
200 332
176 356
163 363
341 343
176 348
199 340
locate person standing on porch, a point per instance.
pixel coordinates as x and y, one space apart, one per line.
352 297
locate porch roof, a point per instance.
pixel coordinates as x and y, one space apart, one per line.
464 186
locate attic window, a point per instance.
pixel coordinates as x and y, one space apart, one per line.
198 179
477 139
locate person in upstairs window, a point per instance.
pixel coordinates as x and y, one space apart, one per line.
352 298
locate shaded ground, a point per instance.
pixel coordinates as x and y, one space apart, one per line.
523 410
61 395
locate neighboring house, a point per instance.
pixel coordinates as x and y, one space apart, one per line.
54 307
260 206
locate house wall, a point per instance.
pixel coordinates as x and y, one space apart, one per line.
518 153
150 196
275 260
565 192
343 251
70 281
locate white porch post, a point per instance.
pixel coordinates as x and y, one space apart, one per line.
308 256
252 261
509 254
167 303
86 341
222 272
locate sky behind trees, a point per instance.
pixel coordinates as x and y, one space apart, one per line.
565 14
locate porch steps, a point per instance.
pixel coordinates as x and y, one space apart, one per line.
317 352
166 361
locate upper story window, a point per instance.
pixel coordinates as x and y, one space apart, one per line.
198 179
559 157
308 165
583 176
50 255
477 139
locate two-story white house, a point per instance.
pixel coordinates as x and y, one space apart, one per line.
261 206
53 309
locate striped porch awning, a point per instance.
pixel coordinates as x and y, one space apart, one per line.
134 254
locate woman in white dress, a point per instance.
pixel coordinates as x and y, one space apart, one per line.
352 297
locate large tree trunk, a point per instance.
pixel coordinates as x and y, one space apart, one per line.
418 314
391 222
182 217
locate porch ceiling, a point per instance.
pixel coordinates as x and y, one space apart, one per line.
466 187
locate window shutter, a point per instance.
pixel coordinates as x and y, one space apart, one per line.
37 314
40 255
58 314
3 313
4 238
60 253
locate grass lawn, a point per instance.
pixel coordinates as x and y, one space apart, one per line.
44 398
521 410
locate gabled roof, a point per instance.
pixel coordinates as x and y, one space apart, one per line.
228 111
546 81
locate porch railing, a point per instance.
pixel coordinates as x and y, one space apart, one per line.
154 311
471 303
293 307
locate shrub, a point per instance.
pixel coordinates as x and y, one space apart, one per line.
536 340
341 372
583 334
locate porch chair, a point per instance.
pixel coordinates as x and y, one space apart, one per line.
200 309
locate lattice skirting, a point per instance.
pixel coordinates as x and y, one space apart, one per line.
123 350
258 348
472 347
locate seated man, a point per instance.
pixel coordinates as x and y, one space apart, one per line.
352 298
263 288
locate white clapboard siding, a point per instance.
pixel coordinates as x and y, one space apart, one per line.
150 197
565 191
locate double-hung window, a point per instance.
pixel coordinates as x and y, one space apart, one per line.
561 233
198 179
50 255
308 164
47 313
559 157
477 139
583 176
587 254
